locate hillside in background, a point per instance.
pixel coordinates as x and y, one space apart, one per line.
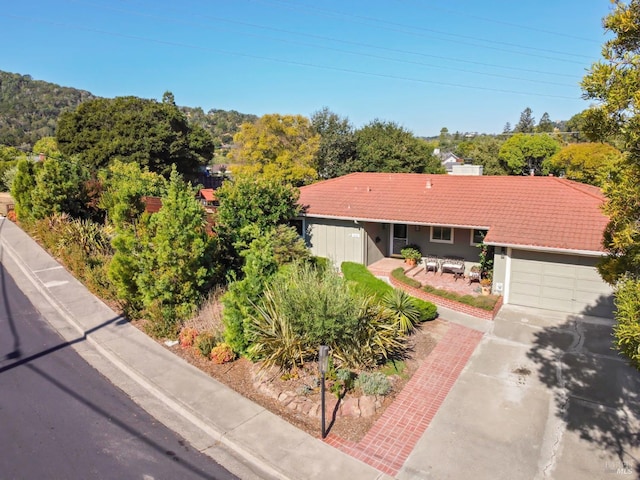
29 110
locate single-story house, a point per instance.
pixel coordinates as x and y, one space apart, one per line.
547 231
449 159
207 197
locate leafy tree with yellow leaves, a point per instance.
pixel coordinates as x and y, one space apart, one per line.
591 163
280 147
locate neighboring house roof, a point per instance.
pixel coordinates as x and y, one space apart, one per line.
538 212
209 194
449 159
152 204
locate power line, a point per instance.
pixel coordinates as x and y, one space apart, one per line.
502 22
475 39
324 47
287 62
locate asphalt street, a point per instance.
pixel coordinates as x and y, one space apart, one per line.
61 419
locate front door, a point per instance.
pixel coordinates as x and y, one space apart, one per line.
399 238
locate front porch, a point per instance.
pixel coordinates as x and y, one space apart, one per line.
444 281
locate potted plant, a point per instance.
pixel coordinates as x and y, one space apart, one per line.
485 284
411 255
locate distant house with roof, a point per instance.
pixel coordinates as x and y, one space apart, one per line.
448 159
547 232
207 197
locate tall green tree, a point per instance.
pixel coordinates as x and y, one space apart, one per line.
612 83
337 148
521 154
178 262
386 147
444 139
125 185
527 122
484 150
60 187
250 207
9 154
279 246
545 125
22 188
154 134
281 147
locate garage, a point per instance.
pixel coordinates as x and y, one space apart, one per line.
568 283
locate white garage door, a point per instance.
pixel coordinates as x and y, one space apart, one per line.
558 282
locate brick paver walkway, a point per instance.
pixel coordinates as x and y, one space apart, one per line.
392 438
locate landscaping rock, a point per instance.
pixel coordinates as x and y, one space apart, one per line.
368 405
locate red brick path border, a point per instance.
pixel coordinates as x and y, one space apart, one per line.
394 435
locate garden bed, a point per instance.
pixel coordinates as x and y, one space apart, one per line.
239 376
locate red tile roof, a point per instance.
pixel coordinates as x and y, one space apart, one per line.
209 194
541 212
152 204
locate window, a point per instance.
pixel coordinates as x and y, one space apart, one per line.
477 236
442 234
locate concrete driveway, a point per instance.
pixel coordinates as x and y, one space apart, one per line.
543 397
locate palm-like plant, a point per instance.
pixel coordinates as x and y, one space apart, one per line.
376 339
402 309
274 340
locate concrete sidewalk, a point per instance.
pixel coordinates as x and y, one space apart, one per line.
244 437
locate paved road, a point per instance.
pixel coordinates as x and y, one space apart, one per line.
61 419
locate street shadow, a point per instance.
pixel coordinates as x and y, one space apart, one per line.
121 424
119 320
597 394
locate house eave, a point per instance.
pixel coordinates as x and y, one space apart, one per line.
538 248
388 220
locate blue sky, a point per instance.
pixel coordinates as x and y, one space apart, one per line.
465 65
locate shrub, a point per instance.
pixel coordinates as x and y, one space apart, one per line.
399 275
161 320
345 377
304 308
366 283
275 341
374 383
428 311
205 342
627 328
222 353
187 337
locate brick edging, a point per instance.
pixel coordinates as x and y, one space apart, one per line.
448 303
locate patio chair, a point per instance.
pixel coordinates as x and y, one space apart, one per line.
474 274
430 262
